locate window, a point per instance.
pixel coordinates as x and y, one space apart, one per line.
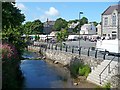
114 32
113 36
104 34
106 21
114 20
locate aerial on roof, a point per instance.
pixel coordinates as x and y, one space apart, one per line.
110 9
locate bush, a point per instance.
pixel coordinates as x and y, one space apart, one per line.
74 69
84 70
107 86
10 66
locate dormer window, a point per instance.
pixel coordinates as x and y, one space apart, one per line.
113 19
106 21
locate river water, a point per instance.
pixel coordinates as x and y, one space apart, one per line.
45 74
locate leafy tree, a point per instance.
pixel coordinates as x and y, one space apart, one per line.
95 23
61 35
59 24
12 44
35 27
71 21
11 15
11 25
83 21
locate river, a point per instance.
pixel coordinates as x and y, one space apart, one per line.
45 74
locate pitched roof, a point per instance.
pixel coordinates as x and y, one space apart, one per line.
110 9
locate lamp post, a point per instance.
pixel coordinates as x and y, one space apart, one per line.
47 30
118 32
79 30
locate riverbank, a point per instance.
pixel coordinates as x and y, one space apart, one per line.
79 82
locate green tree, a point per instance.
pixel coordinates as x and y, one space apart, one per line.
61 35
95 23
11 25
35 27
59 24
11 15
83 21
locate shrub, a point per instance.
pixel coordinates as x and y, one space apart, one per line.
107 86
8 51
74 69
11 75
84 70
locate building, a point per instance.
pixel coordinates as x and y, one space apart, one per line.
110 21
99 30
88 29
71 26
48 27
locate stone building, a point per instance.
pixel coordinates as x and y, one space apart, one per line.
48 27
110 21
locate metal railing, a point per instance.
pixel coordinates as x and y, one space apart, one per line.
88 51
108 66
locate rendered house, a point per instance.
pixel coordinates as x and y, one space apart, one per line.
110 21
88 29
71 26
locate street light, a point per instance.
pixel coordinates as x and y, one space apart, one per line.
47 30
79 30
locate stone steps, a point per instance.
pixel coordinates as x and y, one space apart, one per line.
105 77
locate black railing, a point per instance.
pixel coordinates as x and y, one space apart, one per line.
108 66
88 51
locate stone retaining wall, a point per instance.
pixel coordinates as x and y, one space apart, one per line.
66 58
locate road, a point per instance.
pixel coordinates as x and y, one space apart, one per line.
82 43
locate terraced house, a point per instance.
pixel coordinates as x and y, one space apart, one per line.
110 21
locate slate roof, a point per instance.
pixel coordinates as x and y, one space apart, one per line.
110 9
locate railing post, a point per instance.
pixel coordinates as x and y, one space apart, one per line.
66 48
89 51
100 79
56 47
109 68
104 55
61 47
72 49
52 47
95 53
80 50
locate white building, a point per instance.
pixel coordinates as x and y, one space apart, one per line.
110 21
88 29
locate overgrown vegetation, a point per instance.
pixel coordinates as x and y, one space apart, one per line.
107 86
11 74
79 69
12 45
84 70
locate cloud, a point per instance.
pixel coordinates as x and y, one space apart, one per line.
21 6
52 12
